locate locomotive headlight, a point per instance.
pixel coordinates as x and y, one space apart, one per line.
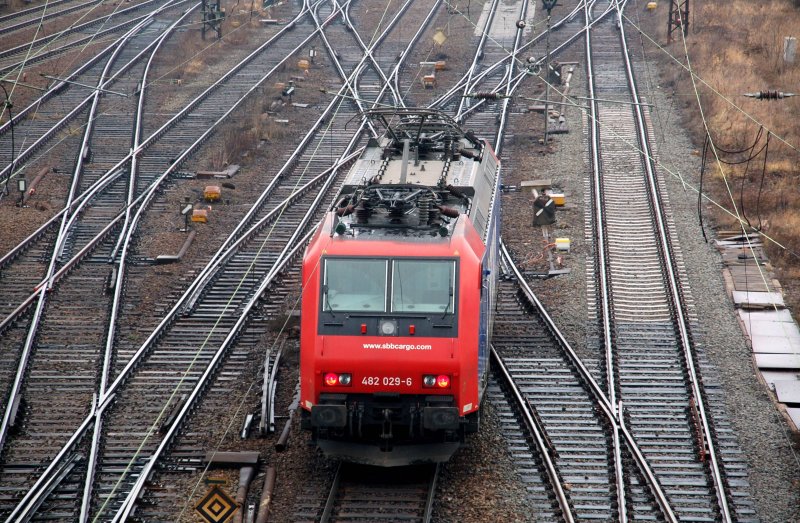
388 327
345 379
331 379
440 381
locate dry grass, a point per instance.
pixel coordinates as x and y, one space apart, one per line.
736 46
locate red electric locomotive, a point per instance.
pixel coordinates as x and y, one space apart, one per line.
398 295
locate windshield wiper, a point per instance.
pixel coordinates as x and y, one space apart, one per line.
449 300
326 302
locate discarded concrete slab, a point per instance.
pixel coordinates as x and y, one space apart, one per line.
771 328
782 316
771 376
777 361
757 300
544 183
775 345
794 413
788 391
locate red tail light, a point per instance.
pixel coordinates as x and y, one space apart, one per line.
432 381
333 379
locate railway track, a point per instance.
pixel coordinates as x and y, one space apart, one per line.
290 206
21 14
35 15
37 125
584 435
651 362
22 56
133 438
122 361
364 494
64 343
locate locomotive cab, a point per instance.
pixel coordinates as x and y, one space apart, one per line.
398 288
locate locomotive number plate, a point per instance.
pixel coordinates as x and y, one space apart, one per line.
386 381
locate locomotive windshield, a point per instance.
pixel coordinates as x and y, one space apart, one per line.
354 285
423 285
362 285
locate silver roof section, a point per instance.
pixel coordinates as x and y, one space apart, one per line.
426 148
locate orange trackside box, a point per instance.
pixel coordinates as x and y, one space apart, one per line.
212 193
200 216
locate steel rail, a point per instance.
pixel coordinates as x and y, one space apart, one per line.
508 75
31 10
538 438
521 76
611 413
606 301
331 499
23 156
127 506
298 150
126 235
57 86
290 250
460 85
368 50
524 408
467 80
78 169
670 268
47 16
427 515
103 405
115 171
349 80
42 292
23 48
333 492
46 55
